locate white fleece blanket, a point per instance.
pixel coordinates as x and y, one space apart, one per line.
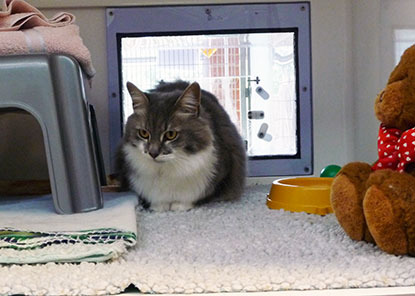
32 232
241 246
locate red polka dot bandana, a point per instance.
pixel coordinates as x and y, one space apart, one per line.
396 149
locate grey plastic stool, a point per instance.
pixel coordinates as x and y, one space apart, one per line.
50 87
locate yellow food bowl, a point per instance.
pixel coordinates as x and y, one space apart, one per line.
307 194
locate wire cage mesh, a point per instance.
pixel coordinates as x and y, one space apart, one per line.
223 65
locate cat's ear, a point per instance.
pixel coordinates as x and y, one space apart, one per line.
189 102
140 101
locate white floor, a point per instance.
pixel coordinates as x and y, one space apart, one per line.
402 291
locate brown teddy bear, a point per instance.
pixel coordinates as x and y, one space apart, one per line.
376 203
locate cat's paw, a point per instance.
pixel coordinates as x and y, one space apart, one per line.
179 206
160 207
175 206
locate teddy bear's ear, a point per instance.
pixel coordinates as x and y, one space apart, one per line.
405 68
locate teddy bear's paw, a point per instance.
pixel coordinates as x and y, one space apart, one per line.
347 206
382 222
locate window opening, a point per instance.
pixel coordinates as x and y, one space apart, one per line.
404 38
252 75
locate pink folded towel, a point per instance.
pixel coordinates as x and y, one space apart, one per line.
18 15
25 30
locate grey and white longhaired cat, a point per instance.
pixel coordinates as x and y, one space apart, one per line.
180 148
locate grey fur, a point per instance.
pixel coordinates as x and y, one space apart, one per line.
199 125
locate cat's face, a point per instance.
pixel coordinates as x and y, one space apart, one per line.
167 126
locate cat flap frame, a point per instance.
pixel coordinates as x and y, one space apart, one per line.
213 19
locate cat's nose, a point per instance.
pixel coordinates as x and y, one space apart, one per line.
154 153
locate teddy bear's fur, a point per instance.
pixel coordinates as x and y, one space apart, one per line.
378 206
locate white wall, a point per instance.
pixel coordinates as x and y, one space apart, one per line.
366 77
332 82
342 80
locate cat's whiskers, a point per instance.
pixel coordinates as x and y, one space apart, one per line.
191 165
164 158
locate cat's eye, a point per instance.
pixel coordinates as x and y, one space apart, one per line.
170 135
143 133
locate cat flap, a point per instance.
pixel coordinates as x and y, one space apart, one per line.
140 101
189 102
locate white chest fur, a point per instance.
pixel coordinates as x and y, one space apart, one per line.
174 184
